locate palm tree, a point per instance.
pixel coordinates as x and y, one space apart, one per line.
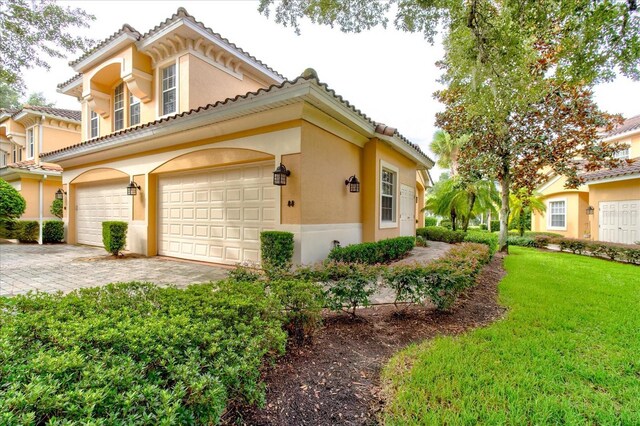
447 149
522 204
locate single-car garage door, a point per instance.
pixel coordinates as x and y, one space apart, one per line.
620 221
98 203
217 215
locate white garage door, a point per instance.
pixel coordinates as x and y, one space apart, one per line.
217 215
98 203
620 221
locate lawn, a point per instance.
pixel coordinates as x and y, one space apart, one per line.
567 352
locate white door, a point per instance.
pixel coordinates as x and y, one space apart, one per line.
217 215
619 221
96 204
407 211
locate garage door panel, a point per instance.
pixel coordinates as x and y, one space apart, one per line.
619 221
221 220
98 203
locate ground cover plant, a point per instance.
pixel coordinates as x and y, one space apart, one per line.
566 352
135 353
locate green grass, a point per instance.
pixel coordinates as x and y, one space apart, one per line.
567 352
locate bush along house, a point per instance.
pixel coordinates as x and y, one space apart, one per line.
200 146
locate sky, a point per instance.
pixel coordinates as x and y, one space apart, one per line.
388 74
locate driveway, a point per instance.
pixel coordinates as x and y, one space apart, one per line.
62 267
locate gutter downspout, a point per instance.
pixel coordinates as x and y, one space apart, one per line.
41 199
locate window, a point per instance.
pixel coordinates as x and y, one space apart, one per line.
30 144
169 89
623 154
118 107
16 153
134 110
388 196
93 125
3 159
557 214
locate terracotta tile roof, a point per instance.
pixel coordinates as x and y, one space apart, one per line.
310 77
628 125
631 168
31 165
71 80
67 114
126 29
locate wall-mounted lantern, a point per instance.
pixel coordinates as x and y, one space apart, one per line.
353 183
590 210
60 193
280 175
132 188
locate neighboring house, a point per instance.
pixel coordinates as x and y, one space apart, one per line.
25 134
607 206
198 127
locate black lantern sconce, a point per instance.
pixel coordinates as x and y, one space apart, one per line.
60 193
353 183
590 210
280 175
132 188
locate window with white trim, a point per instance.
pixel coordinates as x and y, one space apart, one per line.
169 89
17 153
118 107
623 154
134 110
94 125
557 214
31 145
388 195
3 159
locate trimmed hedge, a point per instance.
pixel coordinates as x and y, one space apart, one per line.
430 221
495 225
521 241
53 231
135 353
486 238
114 236
276 249
383 251
612 251
28 231
438 233
446 223
9 228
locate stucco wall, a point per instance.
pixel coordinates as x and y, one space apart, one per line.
53 139
30 190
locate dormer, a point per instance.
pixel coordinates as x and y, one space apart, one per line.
131 79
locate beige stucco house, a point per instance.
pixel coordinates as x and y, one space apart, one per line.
198 127
24 135
607 206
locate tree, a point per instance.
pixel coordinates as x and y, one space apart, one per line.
9 97
31 31
12 204
56 208
38 99
447 149
507 64
522 205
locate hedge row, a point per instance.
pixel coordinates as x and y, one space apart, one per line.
28 231
440 233
383 251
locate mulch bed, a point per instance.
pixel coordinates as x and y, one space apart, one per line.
335 379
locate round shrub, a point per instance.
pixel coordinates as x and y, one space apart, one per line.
114 236
12 204
53 231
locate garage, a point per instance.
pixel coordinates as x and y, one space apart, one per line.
216 215
620 221
98 203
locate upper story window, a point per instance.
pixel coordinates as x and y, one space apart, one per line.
557 214
388 195
31 145
17 154
169 89
134 110
118 107
94 124
623 154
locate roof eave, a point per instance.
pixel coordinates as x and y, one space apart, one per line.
113 46
635 175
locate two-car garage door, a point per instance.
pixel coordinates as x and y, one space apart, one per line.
217 215
620 221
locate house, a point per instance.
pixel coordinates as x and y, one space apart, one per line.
215 147
24 135
607 206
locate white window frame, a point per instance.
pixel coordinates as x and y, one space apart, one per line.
133 101
117 109
623 154
550 214
386 224
161 68
3 159
94 116
16 153
31 144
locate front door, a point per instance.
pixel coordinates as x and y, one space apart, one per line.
407 211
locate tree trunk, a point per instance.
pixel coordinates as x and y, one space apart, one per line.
453 219
468 218
521 222
504 211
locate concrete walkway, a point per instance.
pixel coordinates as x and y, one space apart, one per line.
62 267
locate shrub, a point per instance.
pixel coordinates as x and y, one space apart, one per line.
52 231
490 240
574 246
495 225
302 302
276 249
541 241
12 204
244 274
9 228
430 221
407 282
631 255
484 226
521 241
438 233
135 353
421 241
28 231
114 236
446 223
383 251
612 251
56 208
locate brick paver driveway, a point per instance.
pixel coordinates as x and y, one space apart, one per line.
51 268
